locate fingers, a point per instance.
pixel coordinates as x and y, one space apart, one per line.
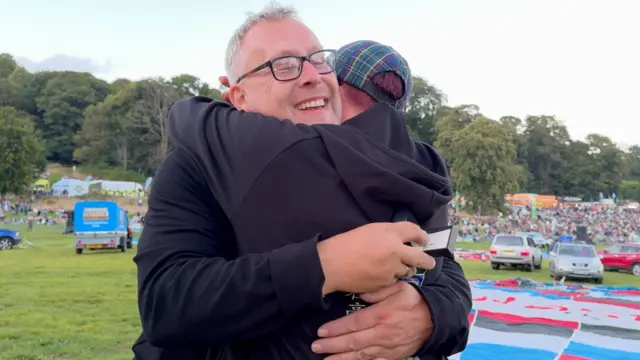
405 271
356 321
410 232
382 294
224 81
370 353
346 343
411 256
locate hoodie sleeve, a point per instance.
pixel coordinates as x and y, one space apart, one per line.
231 146
448 297
193 290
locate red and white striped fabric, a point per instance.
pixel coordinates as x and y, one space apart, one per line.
525 320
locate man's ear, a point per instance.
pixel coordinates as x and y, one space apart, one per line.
237 97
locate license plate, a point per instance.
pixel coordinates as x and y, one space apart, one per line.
581 271
94 246
508 251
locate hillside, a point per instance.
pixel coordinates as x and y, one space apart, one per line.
57 171
128 204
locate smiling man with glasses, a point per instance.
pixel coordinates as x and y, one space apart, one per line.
271 77
287 68
258 229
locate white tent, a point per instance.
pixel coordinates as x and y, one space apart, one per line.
119 187
70 187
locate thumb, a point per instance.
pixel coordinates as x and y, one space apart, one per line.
377 296
410 233
224 81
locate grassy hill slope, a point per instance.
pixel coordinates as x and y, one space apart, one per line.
57 171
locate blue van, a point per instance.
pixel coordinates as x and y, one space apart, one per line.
101 225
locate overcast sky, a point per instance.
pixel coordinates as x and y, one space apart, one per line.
576 59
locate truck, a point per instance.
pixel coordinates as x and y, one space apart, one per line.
101 225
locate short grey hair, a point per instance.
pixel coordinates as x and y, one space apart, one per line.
272 12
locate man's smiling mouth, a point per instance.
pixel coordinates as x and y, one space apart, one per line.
312 104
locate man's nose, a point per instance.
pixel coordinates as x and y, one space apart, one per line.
309 75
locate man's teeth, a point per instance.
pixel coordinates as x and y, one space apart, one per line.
311 104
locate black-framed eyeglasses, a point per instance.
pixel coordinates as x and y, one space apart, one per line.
287 68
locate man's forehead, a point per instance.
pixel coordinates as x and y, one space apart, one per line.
289 51
272 39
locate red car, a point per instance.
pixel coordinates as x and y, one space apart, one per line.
622 257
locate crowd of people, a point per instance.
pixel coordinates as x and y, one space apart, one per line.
24 213
602 224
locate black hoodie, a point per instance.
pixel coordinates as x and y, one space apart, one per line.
284 187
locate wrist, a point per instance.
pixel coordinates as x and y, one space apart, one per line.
325 262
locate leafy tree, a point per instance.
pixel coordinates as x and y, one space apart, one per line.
630 189
121 126
128 129
543 145
449 121
579 171
63 101
7 65
610 162
633 162
420 113
19 151
483 164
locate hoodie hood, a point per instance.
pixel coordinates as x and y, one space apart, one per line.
382 168
388 168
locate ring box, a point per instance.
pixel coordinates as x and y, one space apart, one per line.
415 279
441 240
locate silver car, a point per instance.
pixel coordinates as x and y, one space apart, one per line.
518 251
576 261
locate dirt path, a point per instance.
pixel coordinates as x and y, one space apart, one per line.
128 204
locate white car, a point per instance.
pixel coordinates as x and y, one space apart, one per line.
576 261
518 251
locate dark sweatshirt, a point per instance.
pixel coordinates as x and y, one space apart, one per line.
252 289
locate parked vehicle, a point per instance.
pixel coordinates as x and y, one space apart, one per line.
625 257
538 238
518 251
576 261
101 225
9 239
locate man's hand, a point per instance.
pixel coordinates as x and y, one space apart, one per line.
372 257
224 81
393 328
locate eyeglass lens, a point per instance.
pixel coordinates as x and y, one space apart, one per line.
288 68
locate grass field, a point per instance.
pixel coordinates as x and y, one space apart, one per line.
57 305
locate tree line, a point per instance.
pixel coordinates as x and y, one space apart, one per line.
69 117
75 118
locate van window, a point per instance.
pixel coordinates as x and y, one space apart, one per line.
508 241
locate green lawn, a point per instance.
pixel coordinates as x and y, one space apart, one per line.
480 270
57 305
486 245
